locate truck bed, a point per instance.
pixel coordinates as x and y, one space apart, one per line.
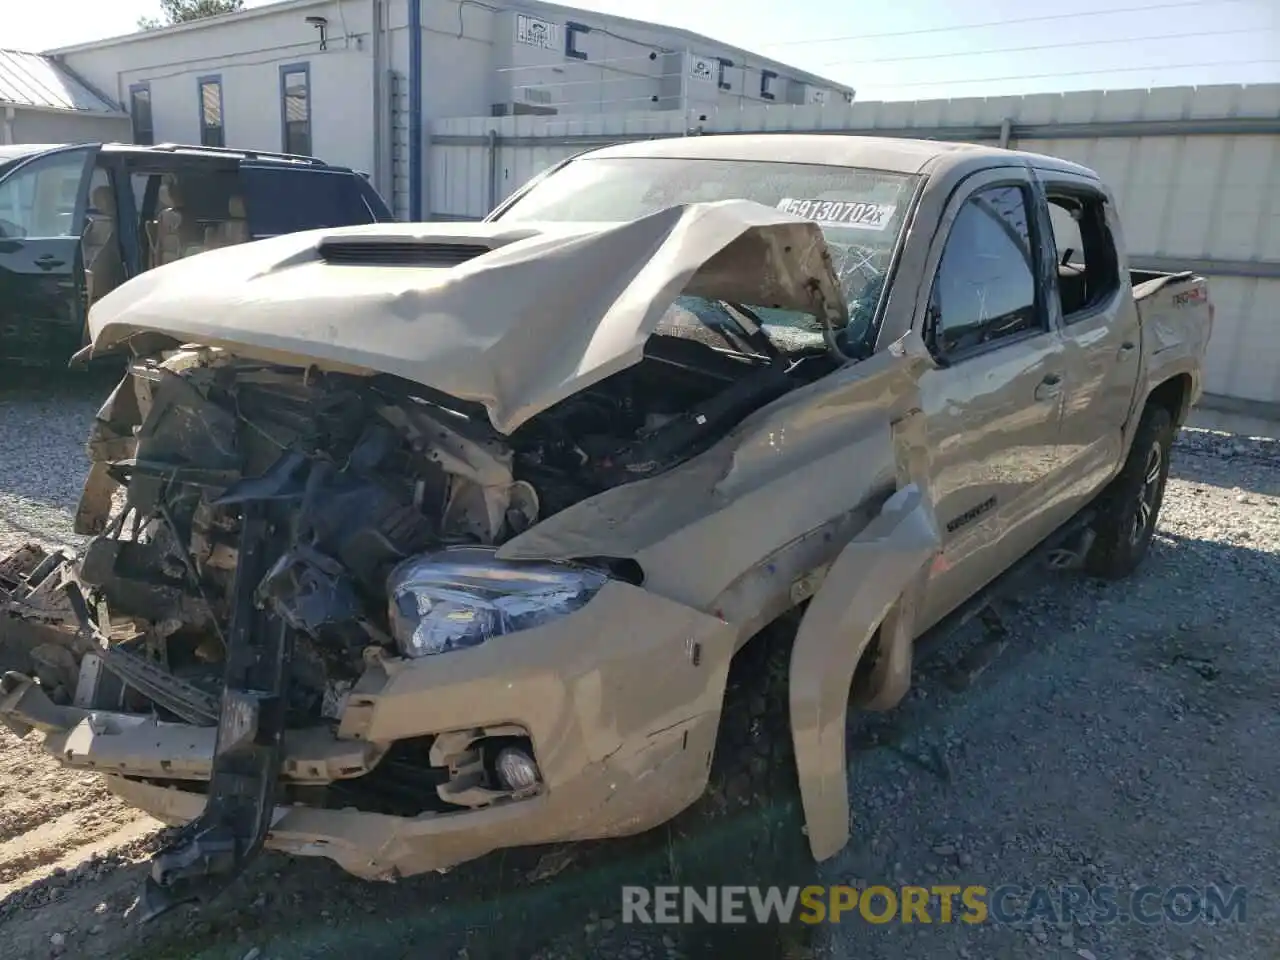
1177 320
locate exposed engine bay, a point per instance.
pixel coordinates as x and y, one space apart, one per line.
344 478
336 509
296 516
262 533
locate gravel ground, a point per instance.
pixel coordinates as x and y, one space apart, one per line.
1127 735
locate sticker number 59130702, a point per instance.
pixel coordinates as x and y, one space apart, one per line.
840 213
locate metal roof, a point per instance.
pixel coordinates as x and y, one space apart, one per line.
697 41
34 80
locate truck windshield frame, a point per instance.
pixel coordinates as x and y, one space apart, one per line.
861 211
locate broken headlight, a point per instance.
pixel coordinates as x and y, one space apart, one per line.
461 597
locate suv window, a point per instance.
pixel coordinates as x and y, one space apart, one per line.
39 200
985 289
1088 265
290 199
187 209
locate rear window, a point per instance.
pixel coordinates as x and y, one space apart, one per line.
287 200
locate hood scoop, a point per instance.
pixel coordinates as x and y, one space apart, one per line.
398 253
513 317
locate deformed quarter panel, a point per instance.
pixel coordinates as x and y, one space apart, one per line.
726 519
876 582
787 470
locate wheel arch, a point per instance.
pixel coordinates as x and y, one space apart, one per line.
874 588
1174 394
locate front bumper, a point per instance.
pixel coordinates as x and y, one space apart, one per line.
621 700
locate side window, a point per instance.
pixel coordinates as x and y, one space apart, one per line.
295 109
104 265
287 200
198 207
146 189
39 199
1088 265
140 113
101 208
140 184
985 289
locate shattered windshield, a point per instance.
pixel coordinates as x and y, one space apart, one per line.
860 212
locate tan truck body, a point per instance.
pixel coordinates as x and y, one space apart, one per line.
882 494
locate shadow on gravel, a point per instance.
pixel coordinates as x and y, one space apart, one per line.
556 902
18 383
1122 727
46 535
1205 647
1200 616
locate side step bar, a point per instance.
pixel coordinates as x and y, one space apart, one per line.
1064 549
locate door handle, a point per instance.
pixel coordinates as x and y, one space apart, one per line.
49 260
1049 388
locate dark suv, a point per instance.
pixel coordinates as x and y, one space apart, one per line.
78 220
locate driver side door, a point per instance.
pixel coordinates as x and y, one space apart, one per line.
42 214
994 406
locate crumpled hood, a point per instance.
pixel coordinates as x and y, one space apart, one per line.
549 310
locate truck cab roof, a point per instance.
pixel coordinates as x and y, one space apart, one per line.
895 154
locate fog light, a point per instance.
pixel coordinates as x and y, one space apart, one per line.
516 769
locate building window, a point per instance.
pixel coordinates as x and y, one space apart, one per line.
766 84
140 113
295 108
212 133
721 80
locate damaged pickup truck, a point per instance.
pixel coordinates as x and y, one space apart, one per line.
413 542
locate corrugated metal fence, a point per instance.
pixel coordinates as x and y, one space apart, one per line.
1196 172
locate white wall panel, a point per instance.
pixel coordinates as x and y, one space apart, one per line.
1201 197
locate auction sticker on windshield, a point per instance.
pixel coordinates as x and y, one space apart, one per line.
840 213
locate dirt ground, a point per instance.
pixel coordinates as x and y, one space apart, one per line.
1126 734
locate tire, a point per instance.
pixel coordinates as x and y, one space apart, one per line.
1130 506
748 826
746 829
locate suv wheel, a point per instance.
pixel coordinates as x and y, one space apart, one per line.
1130 506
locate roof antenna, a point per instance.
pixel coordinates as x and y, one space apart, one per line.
321 24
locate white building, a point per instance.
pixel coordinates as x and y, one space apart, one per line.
358 82
42 101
